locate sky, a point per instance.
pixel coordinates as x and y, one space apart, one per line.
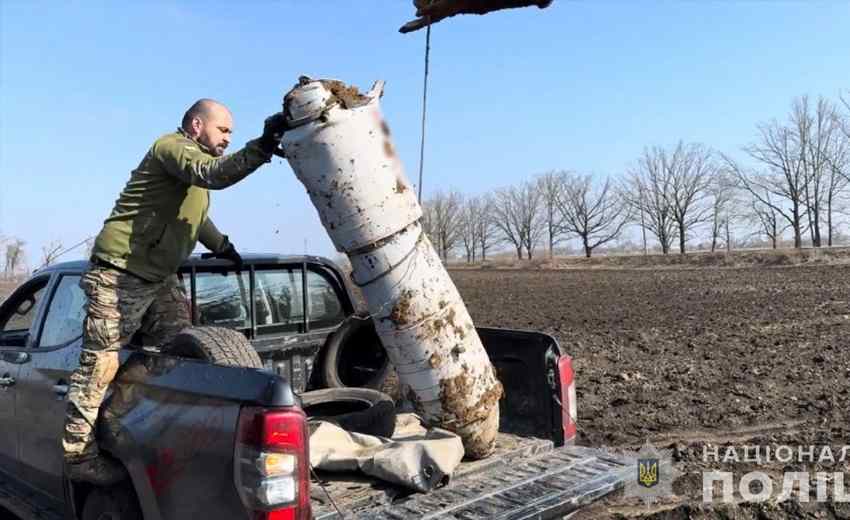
86 87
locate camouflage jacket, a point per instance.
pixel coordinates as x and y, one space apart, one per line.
162 211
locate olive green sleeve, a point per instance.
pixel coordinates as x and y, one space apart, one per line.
210 236
183 159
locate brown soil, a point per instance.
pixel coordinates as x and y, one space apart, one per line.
348 96
693 358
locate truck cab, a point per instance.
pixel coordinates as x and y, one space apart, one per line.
179 425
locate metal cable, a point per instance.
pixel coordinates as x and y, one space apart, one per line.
65 251
424 106
330 498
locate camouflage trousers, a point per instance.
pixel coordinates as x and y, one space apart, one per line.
119 305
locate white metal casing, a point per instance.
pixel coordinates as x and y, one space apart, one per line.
346 160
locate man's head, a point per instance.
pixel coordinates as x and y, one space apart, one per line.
210 123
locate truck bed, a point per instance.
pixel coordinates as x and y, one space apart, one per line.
532 474
353 492
525 477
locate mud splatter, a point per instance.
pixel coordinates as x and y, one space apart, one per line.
454 396
402 313
400 187
388 148
347 96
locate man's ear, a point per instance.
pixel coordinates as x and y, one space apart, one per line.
197 126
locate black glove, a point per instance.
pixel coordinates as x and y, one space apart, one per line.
226 252
273 130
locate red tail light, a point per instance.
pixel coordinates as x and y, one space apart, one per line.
569 412
271 464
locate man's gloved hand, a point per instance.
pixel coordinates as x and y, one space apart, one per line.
226 252
273 129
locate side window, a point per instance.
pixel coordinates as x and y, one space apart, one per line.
279 298
23 314
65 315
222 300
325 308
64 322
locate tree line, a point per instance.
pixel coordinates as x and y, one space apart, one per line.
792 178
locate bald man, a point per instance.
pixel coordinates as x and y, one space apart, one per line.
132 284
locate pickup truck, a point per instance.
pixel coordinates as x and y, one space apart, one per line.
197 438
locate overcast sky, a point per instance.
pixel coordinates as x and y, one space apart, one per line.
86 87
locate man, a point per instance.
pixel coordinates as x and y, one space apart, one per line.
132 284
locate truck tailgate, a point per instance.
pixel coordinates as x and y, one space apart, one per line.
533 480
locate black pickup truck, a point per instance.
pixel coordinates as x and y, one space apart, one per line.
197 438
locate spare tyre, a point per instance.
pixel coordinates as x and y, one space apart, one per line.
218 345
360 410
353 356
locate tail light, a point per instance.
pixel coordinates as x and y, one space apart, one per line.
271 464
568 398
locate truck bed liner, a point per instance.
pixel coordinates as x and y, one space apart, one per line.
526 478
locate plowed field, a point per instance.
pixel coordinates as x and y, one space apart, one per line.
693 359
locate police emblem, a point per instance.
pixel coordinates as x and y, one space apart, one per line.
648 472
652 475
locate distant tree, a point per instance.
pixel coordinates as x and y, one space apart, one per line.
506 218
442 221
478 232
51 252
781 183
518 216
469 237
722 193
648 190
596 215
551 185
767 219
820 143
14 256
485 226
689 171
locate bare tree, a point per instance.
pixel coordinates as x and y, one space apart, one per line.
51 252
722 193
517 215
530 206
14 256
478 232
844 119
485 226
469 231
506 218
551 185
597 216
783 176
820 142
648 190
442 221
767 219
689 170
837 181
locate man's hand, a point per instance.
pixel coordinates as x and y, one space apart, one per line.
273 129
226 252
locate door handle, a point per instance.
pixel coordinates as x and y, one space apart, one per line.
61 388
17 358
7 380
